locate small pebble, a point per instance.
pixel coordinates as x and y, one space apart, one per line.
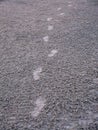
49 19
61 14
36 73
69 5
50 27
59 9
46 38
53 52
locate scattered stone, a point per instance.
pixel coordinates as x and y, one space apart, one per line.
46 38
53 52
50 27
36 73
40 103
49 19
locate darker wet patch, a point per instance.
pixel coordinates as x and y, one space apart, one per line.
3 0
15 1
94 2
21 2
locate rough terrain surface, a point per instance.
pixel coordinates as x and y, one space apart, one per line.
48 64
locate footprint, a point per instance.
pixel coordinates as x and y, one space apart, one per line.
36 73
